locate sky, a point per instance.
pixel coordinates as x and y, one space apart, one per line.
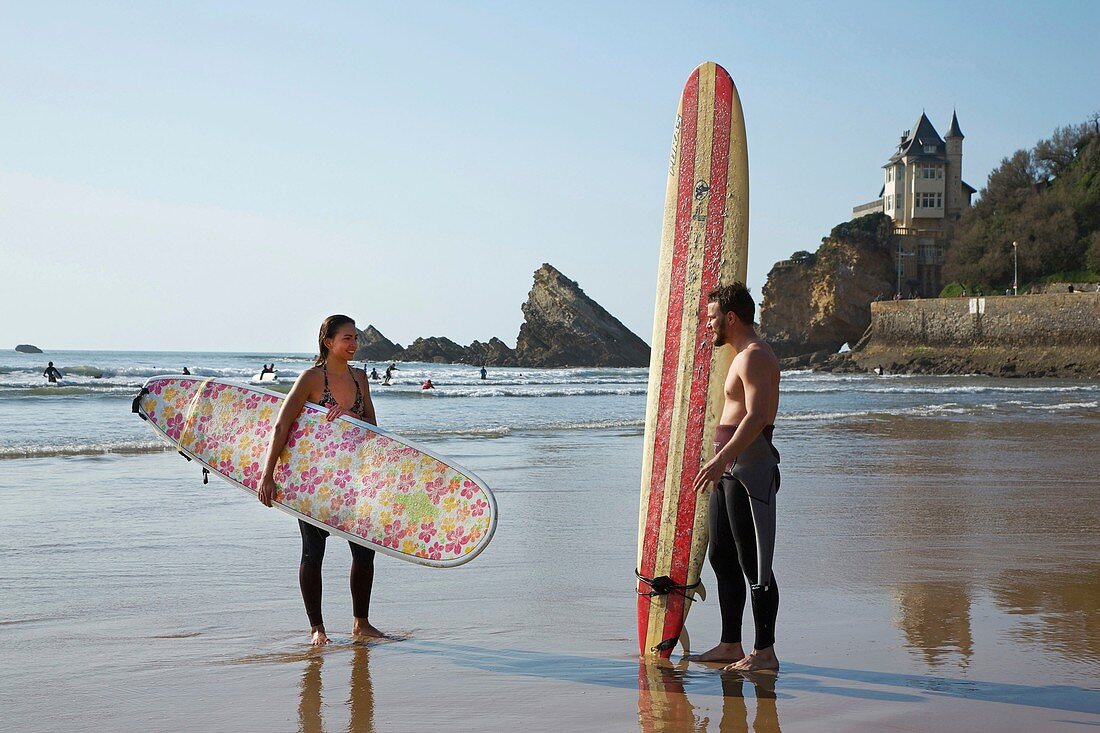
222 176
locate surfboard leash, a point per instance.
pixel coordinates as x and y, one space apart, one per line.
664 585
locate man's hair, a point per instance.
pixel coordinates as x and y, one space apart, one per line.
734 298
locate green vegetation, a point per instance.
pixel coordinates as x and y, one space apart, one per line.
1047 200
952 290
873 229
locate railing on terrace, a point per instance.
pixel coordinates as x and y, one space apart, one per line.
906 231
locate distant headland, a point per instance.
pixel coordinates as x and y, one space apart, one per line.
562 327
876 282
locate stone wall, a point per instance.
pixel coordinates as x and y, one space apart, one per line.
1054 335
1063 319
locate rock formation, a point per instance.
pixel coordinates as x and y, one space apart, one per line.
819 302
564 327
373 346
28 349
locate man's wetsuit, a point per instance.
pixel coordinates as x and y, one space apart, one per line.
742 536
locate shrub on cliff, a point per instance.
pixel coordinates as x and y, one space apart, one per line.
1046 199
872 229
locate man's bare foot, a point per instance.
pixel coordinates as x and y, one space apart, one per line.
318 637
758 660
362 629
720 653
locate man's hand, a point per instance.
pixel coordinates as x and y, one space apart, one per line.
710 473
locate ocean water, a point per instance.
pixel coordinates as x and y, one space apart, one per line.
937 560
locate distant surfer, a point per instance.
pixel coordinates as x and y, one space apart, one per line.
52 373
746 472
484 374
374 374
186 372
330 383
427 384
389 371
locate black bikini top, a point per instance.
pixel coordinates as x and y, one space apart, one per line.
327 400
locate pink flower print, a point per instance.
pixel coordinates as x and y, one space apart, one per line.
324 431
311 479
225 467
427 531
363 526
342 478
290 492
252 475
435 490
252 402
156 387
435 552
469 488
213 390
152 415
392 533
351 496
479 507
296 434
174 426
455 540
282 472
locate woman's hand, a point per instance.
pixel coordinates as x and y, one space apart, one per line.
335 412
266 492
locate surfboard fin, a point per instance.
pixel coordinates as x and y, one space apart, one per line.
699 593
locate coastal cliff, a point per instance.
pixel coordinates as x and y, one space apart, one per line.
819 301
562 327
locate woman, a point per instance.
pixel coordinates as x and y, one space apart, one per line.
333 384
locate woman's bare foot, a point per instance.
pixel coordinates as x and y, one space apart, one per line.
720 653
318 637
758 660
362 628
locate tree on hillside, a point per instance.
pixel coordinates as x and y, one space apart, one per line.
1046 199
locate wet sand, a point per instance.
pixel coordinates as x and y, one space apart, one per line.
936 574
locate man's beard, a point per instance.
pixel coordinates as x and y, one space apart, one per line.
719 338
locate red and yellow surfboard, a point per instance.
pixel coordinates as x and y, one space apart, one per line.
704 244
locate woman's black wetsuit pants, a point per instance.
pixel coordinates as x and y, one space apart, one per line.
309 574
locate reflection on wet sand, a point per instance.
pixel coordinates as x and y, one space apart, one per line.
1063 607
935 618
360 695
664 706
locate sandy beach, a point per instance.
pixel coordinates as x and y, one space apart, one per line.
937 571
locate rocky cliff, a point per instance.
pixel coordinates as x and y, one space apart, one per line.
373 346
564 327
820 301
28 349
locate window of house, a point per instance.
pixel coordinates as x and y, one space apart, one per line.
931 172
929 148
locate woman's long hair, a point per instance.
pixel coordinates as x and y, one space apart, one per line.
329 327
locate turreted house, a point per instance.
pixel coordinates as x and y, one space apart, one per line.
924 193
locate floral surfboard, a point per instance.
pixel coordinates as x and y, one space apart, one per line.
347 477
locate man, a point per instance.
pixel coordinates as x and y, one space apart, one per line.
745 469
52 373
